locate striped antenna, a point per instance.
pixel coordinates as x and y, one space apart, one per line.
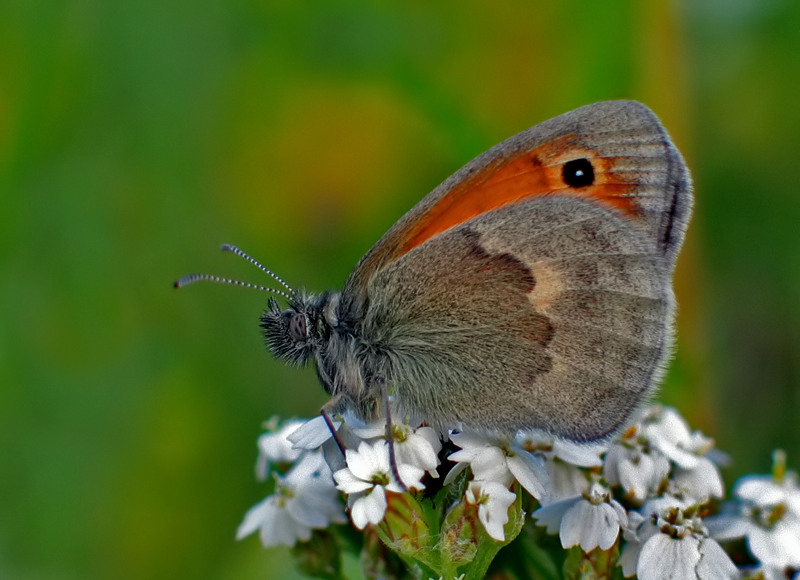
192 278
257 264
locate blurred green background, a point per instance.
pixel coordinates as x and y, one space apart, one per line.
137 136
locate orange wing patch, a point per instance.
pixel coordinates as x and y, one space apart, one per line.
513 179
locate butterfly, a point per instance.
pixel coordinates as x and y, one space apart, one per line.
531 290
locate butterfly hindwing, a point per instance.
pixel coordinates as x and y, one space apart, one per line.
549 314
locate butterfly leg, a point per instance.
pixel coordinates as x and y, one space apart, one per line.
390 434
325 412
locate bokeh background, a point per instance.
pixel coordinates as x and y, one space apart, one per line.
137 136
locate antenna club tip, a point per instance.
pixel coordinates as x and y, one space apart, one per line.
176 284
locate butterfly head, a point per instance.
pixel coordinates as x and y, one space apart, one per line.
296 333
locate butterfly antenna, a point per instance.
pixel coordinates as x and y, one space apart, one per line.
257 264
192 278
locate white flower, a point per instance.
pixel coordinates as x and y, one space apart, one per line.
590 521
672 542
767 491
304 499
493 500
777 545
666 431
315 434
501 460
642 458
275 447
277 526
768 515
629 465
688 557
567 481
701 482
368 476
580 454
565 461
418 446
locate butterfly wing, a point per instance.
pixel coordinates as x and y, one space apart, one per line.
528 291
637 171
549 315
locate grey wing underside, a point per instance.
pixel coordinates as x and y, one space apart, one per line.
550 314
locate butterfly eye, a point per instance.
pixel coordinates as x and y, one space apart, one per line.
578 173
297 327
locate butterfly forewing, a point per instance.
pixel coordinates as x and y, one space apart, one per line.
637 172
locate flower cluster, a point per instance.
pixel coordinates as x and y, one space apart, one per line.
442 505
766 512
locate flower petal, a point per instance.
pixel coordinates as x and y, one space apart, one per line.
589 526
253 519
663 558
369 509
552 514
369 460
312 433
410 475
778 546
702 482
715 564
493 501
490 465
580 454
530 472
349 483
417 450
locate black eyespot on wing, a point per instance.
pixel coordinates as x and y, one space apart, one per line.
578 173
